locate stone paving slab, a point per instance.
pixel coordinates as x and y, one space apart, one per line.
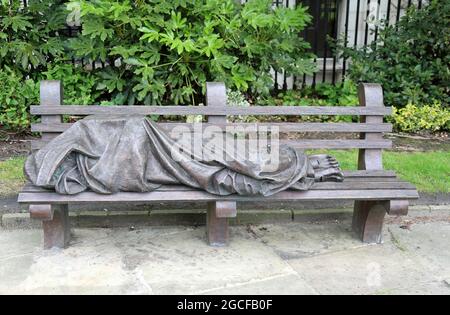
291 258
205 268
368 270
427 288
428 244
290 241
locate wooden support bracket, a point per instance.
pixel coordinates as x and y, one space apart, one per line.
41 212
396 207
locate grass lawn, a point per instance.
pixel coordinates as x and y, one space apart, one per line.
429 171
11 176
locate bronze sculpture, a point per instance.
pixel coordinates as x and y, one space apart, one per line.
112 154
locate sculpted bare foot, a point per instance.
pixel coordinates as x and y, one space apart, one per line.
326 168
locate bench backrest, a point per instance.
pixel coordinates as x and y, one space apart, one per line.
370 126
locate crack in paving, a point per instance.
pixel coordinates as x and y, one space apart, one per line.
396 242
251 281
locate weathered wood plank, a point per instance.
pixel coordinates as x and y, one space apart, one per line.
373 179
282 127
217 232
357 185
360 176
348 184
206 110
369 173
51 96
370 96
337 144
158 196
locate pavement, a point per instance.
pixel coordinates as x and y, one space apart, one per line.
296 257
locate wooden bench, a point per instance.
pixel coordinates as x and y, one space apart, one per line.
374 190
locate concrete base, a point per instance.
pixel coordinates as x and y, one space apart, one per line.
9 204
193 217
289 258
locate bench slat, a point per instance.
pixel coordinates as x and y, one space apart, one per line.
358 175
283 127
359 179
346 185
205 110
391 181
338 144
161 196
302 144
369 173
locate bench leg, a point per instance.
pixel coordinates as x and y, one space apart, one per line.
55 223
217 222
57 230
368 217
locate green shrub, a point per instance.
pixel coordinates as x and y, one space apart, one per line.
16 95
411 59
342 94
79 85
28 35
414 118
165 51
29 42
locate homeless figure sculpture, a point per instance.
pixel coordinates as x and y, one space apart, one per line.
111 154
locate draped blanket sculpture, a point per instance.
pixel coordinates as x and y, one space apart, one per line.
112 154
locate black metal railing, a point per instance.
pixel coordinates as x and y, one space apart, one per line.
358 22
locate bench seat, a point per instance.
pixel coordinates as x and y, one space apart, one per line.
358 185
